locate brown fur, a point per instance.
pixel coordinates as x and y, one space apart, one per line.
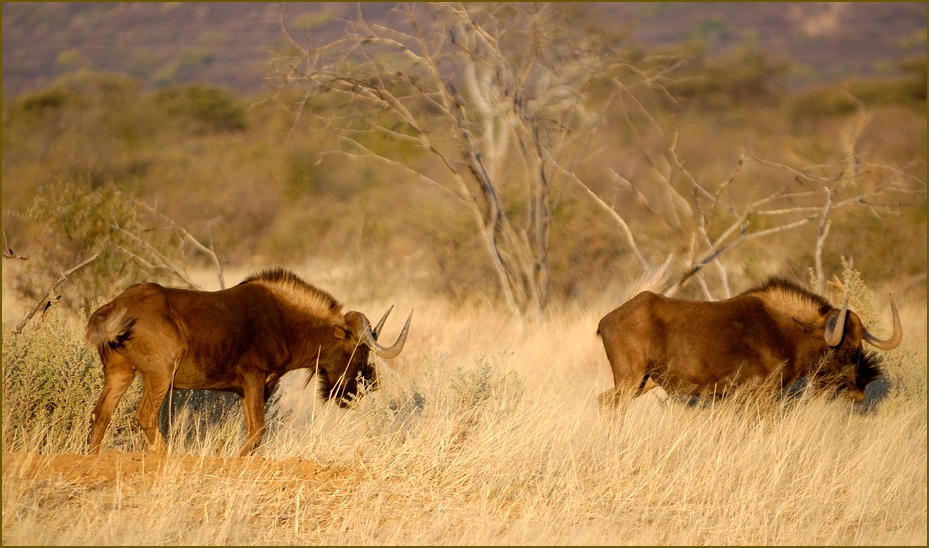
770 335
241 339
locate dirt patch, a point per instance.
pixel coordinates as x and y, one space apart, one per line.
46 498
94 470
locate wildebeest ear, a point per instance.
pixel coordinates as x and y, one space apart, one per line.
340 333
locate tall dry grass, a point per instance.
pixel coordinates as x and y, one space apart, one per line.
485 431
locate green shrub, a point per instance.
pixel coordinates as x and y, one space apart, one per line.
486 387
822 101
51 382
745 76
462 402
210 109
840 99
73 221
81 90
44 100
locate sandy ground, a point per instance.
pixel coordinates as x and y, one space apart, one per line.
135 469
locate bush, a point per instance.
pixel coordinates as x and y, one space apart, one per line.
844 98
51 382
44 100
486 388
72 222
212 110
463 402
746 76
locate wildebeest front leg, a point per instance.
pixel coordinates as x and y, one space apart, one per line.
621 394
253 407
119 375
154 389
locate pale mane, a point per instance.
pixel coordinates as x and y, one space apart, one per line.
792 299
288 286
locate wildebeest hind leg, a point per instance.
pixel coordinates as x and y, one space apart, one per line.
118 376
154 389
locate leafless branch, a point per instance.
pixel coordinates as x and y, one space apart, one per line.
630 237
45 296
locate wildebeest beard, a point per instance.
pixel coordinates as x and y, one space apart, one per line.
866 366
345 390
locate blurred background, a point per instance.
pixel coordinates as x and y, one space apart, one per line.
161 136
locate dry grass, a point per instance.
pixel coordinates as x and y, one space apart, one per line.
487 432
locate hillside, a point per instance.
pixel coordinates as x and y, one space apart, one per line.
226 43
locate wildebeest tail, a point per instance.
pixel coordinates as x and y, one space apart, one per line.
108 329
653 279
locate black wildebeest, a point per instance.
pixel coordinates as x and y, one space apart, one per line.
241 339
701 348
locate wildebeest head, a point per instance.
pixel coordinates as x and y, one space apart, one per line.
359 346
849 367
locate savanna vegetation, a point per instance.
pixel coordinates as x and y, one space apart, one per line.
486 429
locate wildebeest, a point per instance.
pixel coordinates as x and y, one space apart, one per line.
241 339
702 348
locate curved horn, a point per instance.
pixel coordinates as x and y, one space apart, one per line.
894 339
835 331
377 328
367 338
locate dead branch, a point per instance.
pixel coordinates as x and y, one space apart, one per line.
45 311
630 237
822 233
44 299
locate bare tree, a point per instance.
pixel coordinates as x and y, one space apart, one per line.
722 219
498 95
